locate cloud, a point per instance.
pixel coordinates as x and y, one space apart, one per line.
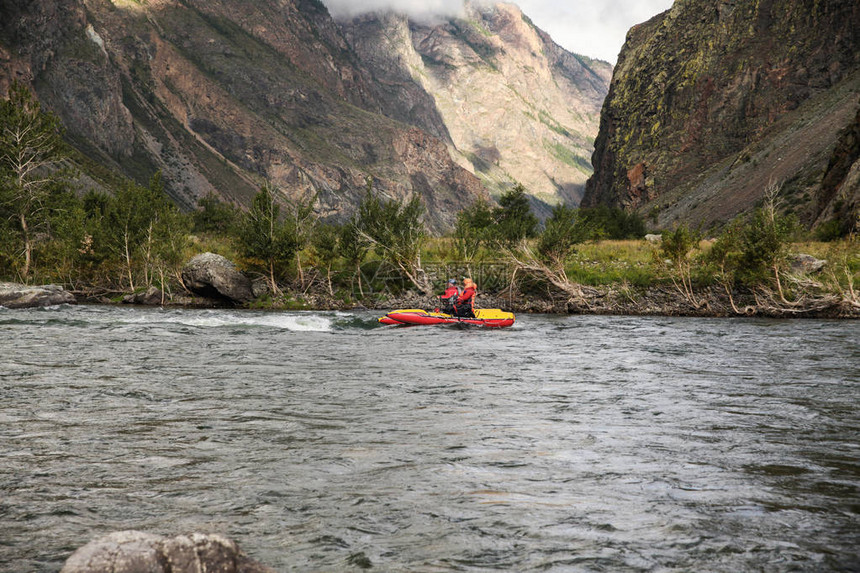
594 28
419 10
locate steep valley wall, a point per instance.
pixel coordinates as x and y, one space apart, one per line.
711 102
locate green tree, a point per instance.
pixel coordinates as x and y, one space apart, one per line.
129 212
562 231
354 247
124 226
30 150
614 223
545 261
514 218
724 258
267 239
395 230
325 242
215 216
58 255
676 251
765 241
301 222
474 227
95 255
142 229
755 252
167 237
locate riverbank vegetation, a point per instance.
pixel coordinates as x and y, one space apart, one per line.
102 244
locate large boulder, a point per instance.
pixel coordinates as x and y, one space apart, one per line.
214 276
138 552
14 295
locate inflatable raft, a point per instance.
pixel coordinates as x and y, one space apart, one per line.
486 317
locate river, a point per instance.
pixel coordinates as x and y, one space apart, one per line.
323 442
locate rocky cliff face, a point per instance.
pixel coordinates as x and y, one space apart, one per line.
52 44
222 95
711 101
512 104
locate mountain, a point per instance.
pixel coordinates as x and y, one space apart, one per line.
222 95
710 102
512 104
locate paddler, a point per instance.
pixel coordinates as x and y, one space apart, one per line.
449 296
464 305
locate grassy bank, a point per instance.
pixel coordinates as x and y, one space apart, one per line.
608 277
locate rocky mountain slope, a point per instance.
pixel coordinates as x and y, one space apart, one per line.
710 102
222 95
513 105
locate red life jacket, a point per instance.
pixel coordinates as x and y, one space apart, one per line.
467 298
450 291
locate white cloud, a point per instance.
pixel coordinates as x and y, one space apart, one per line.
594 28
416 9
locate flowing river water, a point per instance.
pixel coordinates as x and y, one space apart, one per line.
323 442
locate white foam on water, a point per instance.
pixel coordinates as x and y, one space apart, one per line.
299 322
305 322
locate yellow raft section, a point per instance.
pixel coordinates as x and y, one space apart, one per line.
493 314
481 313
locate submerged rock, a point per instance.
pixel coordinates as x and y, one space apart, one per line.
14 295
214 276
138 552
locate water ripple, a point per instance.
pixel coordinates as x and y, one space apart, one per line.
322 442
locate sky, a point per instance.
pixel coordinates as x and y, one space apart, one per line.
594 28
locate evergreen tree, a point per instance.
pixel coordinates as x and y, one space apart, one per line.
765 242
58 255
677 247
30 150
564 229
325 243
614 223
127 219
354 247
266 238
514 218
215 216
474 227
142 230
167 237
396 232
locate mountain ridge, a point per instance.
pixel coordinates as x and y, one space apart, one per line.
495 57
221 96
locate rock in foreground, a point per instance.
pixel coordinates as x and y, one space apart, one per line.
211 275
14 295
138 552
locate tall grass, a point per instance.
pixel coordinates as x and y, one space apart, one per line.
603 263
634 262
